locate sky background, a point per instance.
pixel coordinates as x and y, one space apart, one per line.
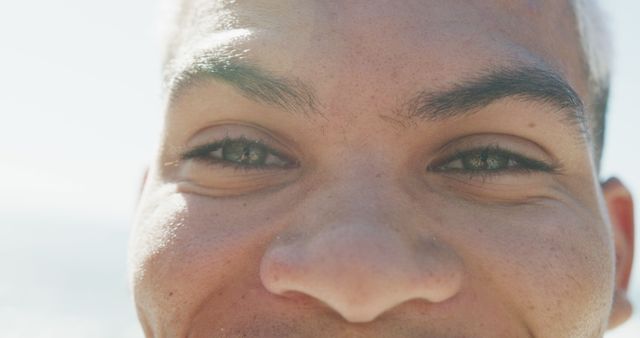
79 115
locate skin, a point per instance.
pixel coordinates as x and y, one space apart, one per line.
371 231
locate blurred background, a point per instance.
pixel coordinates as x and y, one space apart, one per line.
79 115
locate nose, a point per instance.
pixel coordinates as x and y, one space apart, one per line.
361 267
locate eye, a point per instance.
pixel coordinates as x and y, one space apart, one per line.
489 160
240 153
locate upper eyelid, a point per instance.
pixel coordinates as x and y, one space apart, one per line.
193 152
459 154
234 129
503 141
202 150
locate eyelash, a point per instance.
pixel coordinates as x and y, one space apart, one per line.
519 164
203 153
516 163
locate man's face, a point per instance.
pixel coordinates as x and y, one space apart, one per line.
374 168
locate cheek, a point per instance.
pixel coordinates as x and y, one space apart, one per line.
188 250
553 263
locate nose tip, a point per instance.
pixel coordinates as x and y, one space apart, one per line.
361 272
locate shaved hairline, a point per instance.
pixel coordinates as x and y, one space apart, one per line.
595 40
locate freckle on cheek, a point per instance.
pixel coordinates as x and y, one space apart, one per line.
531 125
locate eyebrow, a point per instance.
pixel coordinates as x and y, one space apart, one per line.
526 83
254 83
523 83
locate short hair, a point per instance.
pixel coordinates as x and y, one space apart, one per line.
592 31
595 39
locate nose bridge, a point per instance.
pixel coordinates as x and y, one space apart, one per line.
352 252
362 183
358 197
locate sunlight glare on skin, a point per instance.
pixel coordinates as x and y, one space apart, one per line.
171 211
191 55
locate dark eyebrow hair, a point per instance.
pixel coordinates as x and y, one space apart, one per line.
253 82
524 83
527 83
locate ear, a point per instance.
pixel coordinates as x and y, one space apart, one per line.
620 206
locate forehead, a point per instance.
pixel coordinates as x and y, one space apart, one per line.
404 43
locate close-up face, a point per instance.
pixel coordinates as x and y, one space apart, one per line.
378 168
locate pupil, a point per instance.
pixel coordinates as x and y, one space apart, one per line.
495 162
244 152
485 161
